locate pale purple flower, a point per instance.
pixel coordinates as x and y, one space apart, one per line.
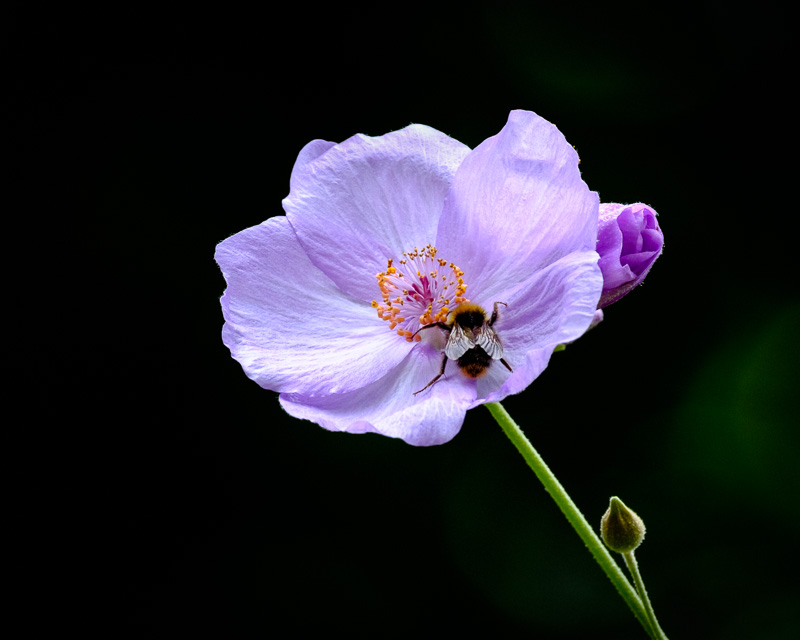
629 240
316 307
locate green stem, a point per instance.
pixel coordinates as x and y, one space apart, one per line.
572 513
633 567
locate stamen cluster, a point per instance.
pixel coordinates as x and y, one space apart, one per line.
421 290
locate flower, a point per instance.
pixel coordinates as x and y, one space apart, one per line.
629 241
384 235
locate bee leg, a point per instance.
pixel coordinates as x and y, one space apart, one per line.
441 325
441 373
507 366
494 315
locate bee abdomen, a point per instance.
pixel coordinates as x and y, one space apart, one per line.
474 362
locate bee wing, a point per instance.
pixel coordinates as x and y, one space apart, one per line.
458 343
486 338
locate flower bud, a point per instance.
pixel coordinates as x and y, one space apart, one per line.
621 528
628 240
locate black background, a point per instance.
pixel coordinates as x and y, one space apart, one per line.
157 492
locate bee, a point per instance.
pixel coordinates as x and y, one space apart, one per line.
471 341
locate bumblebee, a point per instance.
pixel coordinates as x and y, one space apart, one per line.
471 341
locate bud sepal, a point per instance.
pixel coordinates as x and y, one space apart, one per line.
621 528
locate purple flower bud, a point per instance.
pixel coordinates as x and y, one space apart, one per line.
628 240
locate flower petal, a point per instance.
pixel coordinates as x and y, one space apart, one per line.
553 306
287 323
517 204
309 153
367 200
389 407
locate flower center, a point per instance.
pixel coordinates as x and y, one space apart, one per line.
421 289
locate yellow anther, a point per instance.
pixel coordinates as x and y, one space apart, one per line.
421 297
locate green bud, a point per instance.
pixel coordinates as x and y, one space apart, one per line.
621 528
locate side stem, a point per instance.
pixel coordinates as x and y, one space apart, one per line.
633 567
570 510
